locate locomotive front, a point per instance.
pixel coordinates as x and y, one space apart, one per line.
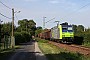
67 33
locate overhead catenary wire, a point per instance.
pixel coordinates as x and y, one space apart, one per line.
50 20
76 10
84 6
5 16
5 5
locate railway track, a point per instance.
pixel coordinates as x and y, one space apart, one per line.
73 48
81 47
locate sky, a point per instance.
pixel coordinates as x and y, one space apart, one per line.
72 11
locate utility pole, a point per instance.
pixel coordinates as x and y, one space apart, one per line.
12 22
12 37
0 29
57 23
44 22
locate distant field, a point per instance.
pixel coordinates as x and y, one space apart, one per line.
54 53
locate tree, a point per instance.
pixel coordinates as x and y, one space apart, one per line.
87 30
39 30
75 28
23 24
6 28
39 27
32 27
27 25
80 28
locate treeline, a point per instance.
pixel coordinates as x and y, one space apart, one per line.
83 33
27 29
22 33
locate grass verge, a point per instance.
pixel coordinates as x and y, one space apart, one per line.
54 53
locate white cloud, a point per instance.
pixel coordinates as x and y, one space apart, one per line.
30 0
54 1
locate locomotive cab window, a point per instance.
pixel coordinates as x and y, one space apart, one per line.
70 29
64 29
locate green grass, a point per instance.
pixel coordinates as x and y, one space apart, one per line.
54 53
87 44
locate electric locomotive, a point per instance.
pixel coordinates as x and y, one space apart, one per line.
62 33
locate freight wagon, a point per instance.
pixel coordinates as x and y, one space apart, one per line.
60 33
47 34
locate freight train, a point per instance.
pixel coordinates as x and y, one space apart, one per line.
61 33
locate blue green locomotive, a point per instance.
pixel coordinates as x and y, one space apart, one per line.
62 33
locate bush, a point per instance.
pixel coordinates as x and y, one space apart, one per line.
22 37
82 37
87 37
